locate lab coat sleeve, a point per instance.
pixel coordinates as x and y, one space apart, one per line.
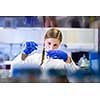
17 60
71 67
33 59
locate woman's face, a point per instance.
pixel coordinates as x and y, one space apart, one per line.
52 44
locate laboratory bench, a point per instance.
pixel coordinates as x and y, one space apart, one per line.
84 75
31 75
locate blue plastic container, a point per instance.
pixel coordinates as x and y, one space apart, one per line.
94 62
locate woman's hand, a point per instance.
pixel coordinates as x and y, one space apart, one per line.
30 47
57 54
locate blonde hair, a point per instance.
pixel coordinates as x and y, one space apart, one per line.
51 33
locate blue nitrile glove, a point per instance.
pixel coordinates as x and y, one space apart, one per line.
57 54
30 47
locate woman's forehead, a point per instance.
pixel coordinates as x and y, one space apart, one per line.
54 40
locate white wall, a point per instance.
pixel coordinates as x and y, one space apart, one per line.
21 34
81 38
74 38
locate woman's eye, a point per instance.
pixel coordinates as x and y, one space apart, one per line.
49 43
55 44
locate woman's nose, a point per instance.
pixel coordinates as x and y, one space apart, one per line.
51 48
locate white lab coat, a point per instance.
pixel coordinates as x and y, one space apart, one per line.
35 59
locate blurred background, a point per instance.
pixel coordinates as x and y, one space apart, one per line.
50 21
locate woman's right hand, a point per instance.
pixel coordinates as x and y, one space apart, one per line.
30 47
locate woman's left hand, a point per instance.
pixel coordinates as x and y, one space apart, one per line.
57 54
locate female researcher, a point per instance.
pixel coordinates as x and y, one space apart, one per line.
52 41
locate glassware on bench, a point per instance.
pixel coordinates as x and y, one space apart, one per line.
4 70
